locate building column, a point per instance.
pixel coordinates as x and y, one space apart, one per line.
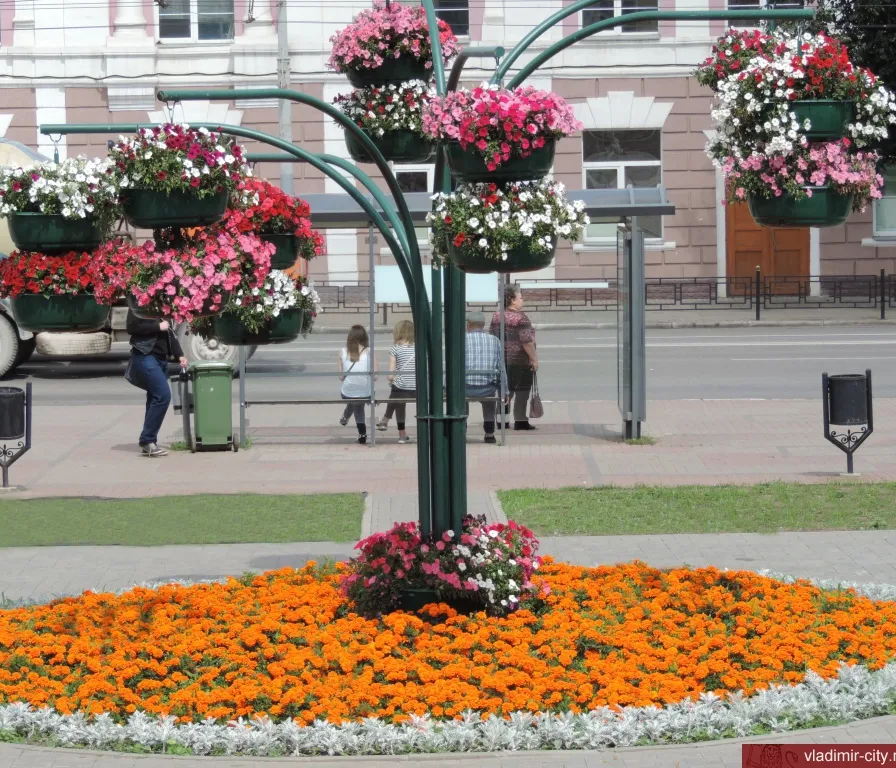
23 24
129 23
261 24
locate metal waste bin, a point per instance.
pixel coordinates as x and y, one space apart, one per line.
212 406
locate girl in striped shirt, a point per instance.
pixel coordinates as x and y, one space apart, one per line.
401 377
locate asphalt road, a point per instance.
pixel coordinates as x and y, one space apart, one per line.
575 365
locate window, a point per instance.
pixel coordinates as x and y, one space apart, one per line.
416 178
755 5
607 9
455 13
617 159
196 20
885 208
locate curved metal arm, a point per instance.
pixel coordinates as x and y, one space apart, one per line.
616 21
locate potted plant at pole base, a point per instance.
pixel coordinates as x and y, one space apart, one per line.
388 44
55 208
53 293
815 187
392 118
488 567
262 208
196 277
493 134
176 176
485 228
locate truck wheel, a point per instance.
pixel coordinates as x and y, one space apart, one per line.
198 349
9 346
26 349
64 344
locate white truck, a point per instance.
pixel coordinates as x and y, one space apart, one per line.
17 345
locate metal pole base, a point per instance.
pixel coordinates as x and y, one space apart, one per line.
12 489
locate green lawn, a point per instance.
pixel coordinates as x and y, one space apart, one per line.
181 520
704 509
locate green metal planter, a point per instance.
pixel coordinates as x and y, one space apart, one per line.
403 146
39 314
149 209
392 71
287 252
520 259
824 209
413 599
154 313
828 119
53 233
469 166
286 327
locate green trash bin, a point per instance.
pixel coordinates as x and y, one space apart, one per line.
212 406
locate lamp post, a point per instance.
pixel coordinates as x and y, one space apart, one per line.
15 426
847 403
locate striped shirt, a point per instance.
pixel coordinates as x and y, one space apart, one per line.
405 364
483 353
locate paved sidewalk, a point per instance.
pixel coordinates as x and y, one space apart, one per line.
89 451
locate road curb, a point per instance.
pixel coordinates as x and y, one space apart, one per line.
668 324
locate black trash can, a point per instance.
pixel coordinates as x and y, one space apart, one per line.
12 413
848 395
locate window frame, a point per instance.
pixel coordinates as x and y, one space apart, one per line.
617 12
429 169
619 167
886 234
194 29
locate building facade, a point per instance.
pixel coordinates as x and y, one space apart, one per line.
646 119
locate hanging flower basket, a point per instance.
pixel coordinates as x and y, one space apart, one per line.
484 228
162 311
229 329
828 118
66 312
390 72
469 166
523 258
155 209
287 250
825 208
400 146
53 233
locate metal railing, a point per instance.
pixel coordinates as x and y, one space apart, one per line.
668 294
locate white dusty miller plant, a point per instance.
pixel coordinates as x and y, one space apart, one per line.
855 693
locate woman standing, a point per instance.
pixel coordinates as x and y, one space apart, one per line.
354 364
402 377
519 353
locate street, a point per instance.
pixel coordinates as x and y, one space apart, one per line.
576 365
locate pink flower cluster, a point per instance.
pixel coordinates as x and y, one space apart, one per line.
498 122
493 564
195 278
830 164
385 32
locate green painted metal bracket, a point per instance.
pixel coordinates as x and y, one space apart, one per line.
629 18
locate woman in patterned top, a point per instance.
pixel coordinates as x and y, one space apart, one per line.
402 364
519 353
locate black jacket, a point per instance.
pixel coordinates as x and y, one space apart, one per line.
147 339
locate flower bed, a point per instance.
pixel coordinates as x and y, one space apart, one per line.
487 224
498 124
383 34
286 644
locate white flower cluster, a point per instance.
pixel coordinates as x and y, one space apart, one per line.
310 298
75 188
276 294
385 108
492 571
855 693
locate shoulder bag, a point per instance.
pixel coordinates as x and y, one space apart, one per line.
536 409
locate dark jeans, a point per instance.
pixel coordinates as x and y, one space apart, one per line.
154 373
519 384
488 406
399 409
356 409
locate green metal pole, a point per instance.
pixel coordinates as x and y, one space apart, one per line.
420 316
425 340
616 21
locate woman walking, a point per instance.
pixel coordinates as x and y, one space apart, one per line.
354 364
519 354
401 377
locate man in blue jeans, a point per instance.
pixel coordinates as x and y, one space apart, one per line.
153 344
484 355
